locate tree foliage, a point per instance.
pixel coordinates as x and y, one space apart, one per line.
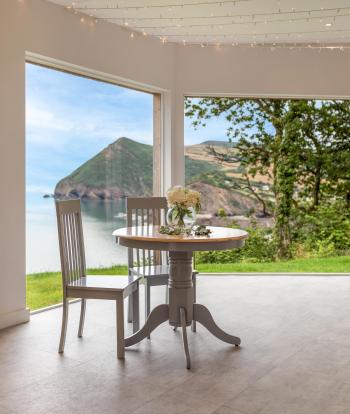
303 146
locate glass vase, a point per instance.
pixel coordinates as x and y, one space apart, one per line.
183 218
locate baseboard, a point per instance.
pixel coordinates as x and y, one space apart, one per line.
14 318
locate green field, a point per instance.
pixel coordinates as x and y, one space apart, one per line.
44 289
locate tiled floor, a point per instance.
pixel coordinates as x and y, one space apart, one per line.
294 358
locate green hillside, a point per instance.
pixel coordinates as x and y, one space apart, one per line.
196 168
215 143
124 168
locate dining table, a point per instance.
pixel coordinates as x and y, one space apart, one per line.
181 309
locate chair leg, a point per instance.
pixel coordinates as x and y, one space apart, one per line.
82 318
120 328
167 294
130 305
135 310
147 301
194 280
64 325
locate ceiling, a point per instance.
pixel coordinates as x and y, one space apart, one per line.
287 23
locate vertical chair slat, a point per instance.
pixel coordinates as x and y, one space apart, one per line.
63 239
129 223
70 252
75 250
143 224
77 246
137 225
82 247
148 224
74 253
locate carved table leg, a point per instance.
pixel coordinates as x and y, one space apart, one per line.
180 287
184 337
159 315
203 316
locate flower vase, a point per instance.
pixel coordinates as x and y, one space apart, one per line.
181 218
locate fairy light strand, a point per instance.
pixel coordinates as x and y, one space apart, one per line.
260 34
222 39
162 6
233 16
231 23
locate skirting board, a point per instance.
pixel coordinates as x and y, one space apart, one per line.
14 318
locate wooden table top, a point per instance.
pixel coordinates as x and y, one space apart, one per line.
151 234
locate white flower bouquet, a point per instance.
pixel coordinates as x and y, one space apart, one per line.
183 204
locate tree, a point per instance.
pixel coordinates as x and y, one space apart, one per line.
325 149
303 146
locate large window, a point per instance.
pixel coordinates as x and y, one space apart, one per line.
278 167
87 139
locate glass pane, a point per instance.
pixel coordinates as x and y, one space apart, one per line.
85 139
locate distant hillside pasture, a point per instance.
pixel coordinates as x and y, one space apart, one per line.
125 168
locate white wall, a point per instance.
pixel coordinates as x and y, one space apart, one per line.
246 71
49 30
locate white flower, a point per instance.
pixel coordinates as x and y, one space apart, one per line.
176 195
183 197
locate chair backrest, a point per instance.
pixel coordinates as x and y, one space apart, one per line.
145 211
71 242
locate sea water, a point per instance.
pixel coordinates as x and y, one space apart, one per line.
100 219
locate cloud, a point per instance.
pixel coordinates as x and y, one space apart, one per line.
38 189
37 117
57 128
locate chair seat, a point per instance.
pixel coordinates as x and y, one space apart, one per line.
149 271
114 282
155 271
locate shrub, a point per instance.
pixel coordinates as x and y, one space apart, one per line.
325 231
259 247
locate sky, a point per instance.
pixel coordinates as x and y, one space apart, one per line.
69 119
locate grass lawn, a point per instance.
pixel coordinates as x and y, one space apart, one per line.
339 264
44 289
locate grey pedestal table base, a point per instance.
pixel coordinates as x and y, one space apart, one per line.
181 310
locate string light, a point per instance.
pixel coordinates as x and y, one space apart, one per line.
240 16
298 33
215 39
233 22
162 6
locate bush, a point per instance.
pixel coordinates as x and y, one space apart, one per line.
325 231
259 247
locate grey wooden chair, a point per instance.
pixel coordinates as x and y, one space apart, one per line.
75 282
151 266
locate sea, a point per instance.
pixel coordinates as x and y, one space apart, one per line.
100 219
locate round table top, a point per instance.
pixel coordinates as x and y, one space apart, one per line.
220 238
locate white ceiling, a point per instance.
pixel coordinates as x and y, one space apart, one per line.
263 22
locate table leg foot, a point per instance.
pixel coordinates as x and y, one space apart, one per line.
202 315
184 337
159 315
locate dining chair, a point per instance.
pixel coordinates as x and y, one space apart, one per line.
77 284
150 265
